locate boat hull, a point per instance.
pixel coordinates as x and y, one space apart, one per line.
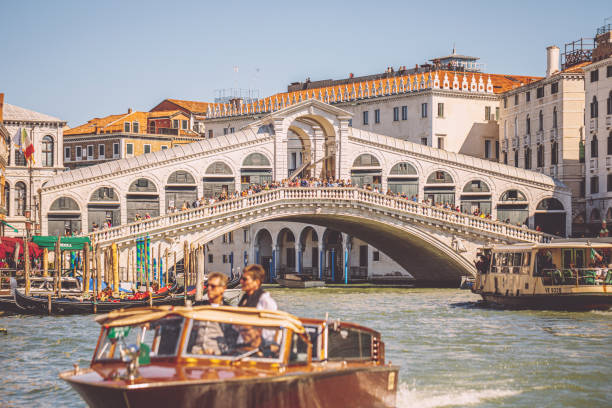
367 387
8 305
570 302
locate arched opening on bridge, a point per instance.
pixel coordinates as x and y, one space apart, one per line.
142 199
440 188
366 172
298 152
308 252
403 179
64 217
286 249
323 152
334 255
513 208
476 198
218 180
104 208
550 216
263 250
180 189
256 169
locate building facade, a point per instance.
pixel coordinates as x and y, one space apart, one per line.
125 135
598 147
22 182
541 129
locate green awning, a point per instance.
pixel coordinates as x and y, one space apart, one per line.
9 225
66 243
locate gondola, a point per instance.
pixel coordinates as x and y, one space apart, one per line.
66 306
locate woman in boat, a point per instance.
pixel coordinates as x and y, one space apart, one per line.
254 295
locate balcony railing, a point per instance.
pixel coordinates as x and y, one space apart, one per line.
593 125
540 137
608 122
505 144
593 163
553 171
515 142
230 210
608 161
527 139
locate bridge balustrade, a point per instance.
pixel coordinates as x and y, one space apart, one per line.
322 195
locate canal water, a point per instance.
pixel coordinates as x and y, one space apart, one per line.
452 352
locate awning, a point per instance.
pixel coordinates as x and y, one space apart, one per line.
66 243
8 245
9 225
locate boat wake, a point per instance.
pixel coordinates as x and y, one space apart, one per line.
409 396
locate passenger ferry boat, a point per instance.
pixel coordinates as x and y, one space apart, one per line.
562 275
212 357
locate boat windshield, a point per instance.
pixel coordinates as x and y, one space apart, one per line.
159 338
233 341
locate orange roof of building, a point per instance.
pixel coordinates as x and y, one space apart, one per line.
377 87
191 106
114 123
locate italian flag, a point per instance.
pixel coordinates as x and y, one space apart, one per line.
26 145
595 255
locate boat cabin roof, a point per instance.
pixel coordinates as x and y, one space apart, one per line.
221 314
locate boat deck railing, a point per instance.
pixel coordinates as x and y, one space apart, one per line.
576 276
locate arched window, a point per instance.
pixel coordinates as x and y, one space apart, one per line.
505 129
594 146
516 158
20 198
541 156
550 204
513 196
256 159
540 121
609 104
366 160
594 108
515 126
439 177
554 153
610 143
554 124
403 169
7 197
219 168
476 186
527 158
528 125
142 185
47 151
181 177
64 217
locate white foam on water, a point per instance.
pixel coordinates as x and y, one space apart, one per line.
408 397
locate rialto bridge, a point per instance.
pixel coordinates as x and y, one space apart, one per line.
433 244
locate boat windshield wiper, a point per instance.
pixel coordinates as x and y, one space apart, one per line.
245 355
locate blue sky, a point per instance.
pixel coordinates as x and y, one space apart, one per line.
82 59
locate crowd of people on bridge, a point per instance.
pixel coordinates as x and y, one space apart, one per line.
311 182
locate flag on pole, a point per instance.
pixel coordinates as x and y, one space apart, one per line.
595 255
26 145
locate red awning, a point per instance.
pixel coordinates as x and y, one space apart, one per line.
8 246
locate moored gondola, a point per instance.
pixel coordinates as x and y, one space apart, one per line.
40 305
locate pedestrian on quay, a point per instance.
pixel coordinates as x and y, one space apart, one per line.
254 296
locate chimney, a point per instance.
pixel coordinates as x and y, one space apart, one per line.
1 107
130 109
552 60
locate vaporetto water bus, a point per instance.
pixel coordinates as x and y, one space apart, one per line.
564 274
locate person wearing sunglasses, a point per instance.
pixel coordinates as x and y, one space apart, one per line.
215 287
254 296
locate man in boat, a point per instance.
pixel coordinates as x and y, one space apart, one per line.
253 339
254 296
217 283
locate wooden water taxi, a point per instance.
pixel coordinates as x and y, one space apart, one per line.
560 275
211 357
